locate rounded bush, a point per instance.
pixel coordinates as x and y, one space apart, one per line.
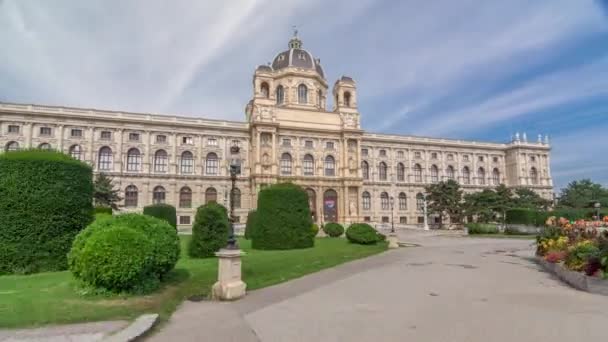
210 230
46 199
165 251
249 224
117 259
283 218
333 229
362 233
162 211
314 230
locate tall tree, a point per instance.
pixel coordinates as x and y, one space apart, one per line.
503 201
583 194
104 193
481 204
445 198
526 198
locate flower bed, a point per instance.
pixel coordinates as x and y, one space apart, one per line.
577 252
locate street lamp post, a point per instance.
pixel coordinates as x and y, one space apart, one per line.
426 220
235 169
393 242
597 206
392 212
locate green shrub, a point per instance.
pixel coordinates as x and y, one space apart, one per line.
117 259
162 211
210 231
103 210
363 234
333 229
45 200
314 230
249 225
580 253
283 218
481 228
526 217
165 242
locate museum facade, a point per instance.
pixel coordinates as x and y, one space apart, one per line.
288 136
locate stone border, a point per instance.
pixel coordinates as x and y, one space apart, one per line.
135 330
577 280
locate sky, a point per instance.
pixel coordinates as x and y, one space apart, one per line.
465 69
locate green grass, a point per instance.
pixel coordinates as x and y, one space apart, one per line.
504 236
45 298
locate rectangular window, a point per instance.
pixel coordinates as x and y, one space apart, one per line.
76 133
450 157
210 142
184 220
532 159
367 202
417 155
287 142
308 165
480 158
495 159
364 152
45 130
329 145
308 144
403 219
465 158
420 219
236 143
187 140
382 153
161 139
105 135
400 154
434 155
367 219
133 136
385 219
13 129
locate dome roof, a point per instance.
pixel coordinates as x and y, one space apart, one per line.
297 57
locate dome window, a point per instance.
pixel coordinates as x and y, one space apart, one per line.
280 95
347 99
302 94
302 56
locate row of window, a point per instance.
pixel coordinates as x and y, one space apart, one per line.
308 165
159 195
302 94
385 201
434 155
434 173
160 161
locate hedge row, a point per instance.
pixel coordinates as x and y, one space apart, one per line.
162 211
46 199
526 216
481 228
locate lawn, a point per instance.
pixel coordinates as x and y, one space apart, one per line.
45 298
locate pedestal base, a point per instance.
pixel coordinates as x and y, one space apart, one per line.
393 242
229 285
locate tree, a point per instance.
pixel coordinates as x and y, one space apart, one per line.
583 194
526 198
445 198
503 201
482 204
104 194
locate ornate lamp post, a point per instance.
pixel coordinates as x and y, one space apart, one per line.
235 169
392 211
392 237
597 207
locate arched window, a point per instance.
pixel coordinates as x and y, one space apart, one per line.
76 152
285 164
280 94
131 195
367 200
104 163
346 99
319 98
330 166
158 195
133 159
534 176
264 89
302 94
400 172
466 175
402 201
160 161
308 165
236 198
186 163
12 146
417 173
185 197
495 176
449 172
365 169
481 176
211 164
44 146
210 195
382 171
384 203
420 202
434 174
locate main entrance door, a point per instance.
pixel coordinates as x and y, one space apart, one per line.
330 206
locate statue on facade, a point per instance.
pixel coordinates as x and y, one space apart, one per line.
352 208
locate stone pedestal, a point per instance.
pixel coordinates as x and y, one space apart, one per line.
229 285
393 242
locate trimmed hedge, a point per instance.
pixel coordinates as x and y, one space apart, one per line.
283 218
117 259
46 199
526 216
165 242
162 211
314 230
210 231
249 224
333 229
363 234
481 228
103 210
574 214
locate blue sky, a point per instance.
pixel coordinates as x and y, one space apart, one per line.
462 69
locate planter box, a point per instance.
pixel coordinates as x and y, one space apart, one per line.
577 280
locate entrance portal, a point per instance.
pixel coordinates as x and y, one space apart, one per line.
330 206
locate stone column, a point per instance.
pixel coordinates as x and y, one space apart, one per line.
229 285
59 135
118 154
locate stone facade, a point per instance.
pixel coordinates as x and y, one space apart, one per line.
288 135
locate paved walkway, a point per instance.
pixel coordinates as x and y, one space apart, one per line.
82 332
451 289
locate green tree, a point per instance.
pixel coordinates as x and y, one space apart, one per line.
503 201
104 193
445 198
481 204
526 198
583 194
